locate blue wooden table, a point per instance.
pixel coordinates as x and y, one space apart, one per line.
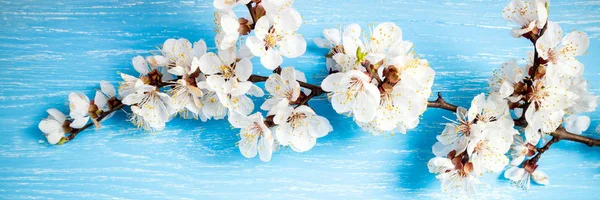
51 48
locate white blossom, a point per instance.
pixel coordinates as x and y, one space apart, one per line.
352 92
225 73
486 119
256 137
284 86
79 105
456 178
273 39
53 126
548 101
529 15
299 127
504 81
399 110
520 149
522 177
106 92
151 109
560 51
187 99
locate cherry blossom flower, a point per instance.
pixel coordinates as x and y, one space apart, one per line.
523 176
299 127
284 86
560 51
187 99
400 108
457 178
54 126
79 105
386 42
485 118
332 41
274 39
106 92
230 27
508 79
353 51
520 149
352 92
546 110
212 107
255 136
225 73
151 109
529 15
487 152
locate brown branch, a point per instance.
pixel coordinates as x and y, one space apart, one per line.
441 103
314 88
544 149
100 118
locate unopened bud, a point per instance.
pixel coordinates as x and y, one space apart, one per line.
259 11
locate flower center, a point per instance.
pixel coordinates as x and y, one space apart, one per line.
272 38
297 120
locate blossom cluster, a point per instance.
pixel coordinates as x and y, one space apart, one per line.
546 92
377 79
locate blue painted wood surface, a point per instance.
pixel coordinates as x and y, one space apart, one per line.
50 48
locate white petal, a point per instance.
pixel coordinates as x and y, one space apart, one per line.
292 46
79 122
540 177
322 43
54 138
230 24
439 165
199 48
577 124
550 39
243 69
514 173
575 43
262 28
265 147
49 126
332 82
133 99
271 59
210 63
333 35
178 71
140 65
256 46
56 115
108 89
248 146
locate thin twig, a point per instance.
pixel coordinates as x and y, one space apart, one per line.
100 118
441 103
544 149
